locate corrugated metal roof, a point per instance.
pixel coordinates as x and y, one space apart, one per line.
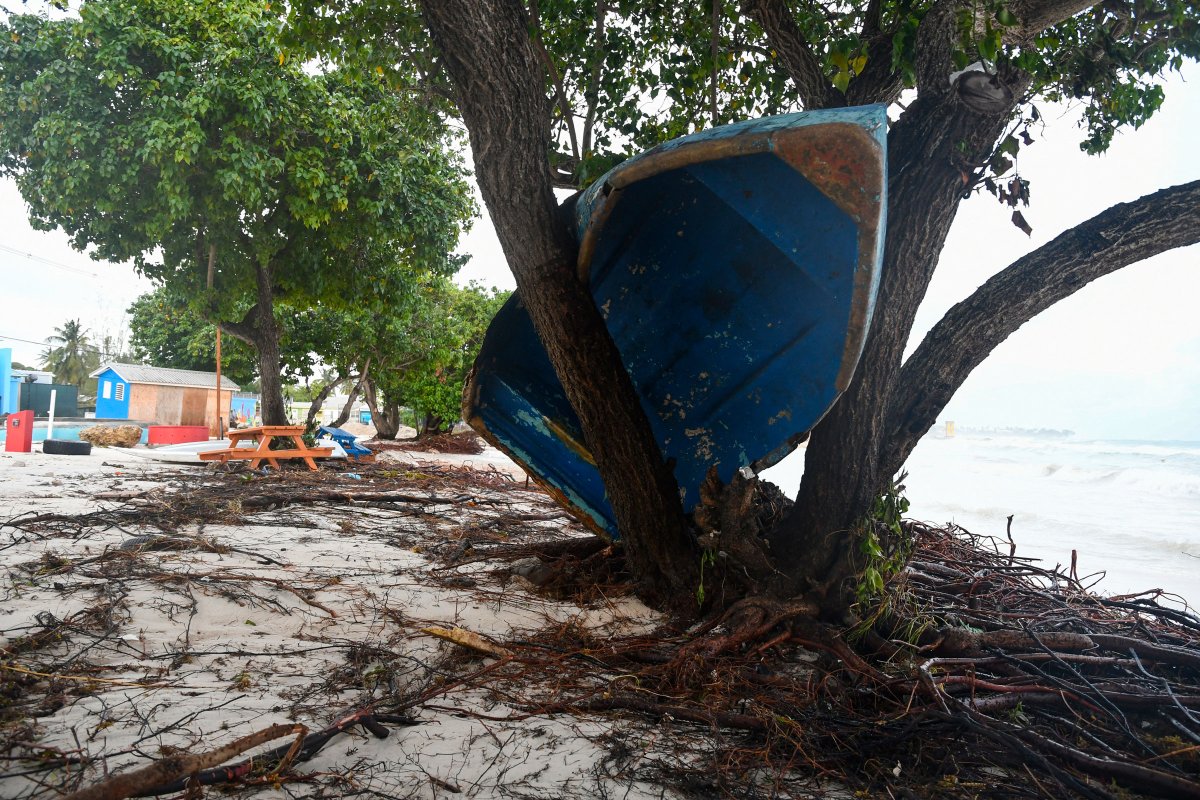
165 376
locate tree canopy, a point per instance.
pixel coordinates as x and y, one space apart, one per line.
415 356
443 337
182 136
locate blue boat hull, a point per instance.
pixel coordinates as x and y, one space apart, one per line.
736 271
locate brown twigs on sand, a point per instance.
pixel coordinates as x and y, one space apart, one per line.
192 601
180 766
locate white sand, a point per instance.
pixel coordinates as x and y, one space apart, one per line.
321 612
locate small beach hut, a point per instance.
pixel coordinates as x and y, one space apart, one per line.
161 395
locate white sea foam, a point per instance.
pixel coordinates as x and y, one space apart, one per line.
1130 509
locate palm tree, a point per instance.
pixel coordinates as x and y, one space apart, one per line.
70 356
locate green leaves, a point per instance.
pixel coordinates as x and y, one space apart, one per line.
884 544
152 130
418 350
70 354
167 330
847 63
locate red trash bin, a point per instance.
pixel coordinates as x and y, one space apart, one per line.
18 432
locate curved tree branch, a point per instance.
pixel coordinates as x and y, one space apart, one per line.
318 402
1122 235
802 64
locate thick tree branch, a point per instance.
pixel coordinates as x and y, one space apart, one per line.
714 46
592 93
878 83
801 62
243 330
930 149
1035 16
1122 235
318 402
560 92
935 47
344 416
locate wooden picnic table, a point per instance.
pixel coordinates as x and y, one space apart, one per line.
264 436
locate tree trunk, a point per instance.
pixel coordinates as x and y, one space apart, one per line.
932 149
385 418
431 425
318 402
260 330
348 408
499 85
266 340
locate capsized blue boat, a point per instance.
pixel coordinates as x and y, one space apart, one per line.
736 270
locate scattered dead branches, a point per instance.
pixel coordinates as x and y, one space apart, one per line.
977 674
974 669
466 443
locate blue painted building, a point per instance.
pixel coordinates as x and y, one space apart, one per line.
8 397
161 395
12 381
112 395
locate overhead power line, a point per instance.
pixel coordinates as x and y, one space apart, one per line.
89 348
47 261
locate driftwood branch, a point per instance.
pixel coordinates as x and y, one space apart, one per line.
180 765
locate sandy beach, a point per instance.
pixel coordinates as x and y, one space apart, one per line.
433 626
152 633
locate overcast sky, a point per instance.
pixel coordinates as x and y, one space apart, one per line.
1120 359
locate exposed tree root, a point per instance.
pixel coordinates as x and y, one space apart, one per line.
976 674
1017 684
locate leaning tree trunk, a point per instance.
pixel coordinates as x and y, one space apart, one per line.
498 81
936 150
318 402
344 416
937 142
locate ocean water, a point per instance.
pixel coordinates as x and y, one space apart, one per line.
1130 509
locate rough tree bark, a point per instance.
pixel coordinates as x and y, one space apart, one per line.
432 425
261 330
499 84
385 417
933 151
936 142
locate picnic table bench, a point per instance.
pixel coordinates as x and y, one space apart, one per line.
264 436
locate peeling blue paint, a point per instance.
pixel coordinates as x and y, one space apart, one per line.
735 291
